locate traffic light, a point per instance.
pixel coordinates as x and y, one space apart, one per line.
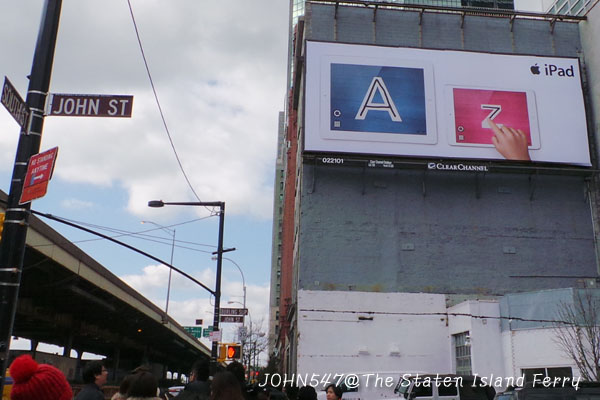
222 353
1 224
234 351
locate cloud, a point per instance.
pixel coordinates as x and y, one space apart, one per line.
152 284
76 204
221 84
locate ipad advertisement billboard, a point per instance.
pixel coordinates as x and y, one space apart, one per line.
441 103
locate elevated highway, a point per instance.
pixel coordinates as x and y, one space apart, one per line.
68 299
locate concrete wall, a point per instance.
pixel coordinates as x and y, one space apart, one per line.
376 231
368 332
485 335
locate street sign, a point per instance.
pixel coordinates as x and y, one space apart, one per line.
198 322
234 311
207 331
232 318
14 104
89 105
195 331
39 172
215 336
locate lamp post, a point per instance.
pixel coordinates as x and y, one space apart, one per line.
172 232
219 254
243 279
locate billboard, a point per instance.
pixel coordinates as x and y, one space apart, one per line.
442 103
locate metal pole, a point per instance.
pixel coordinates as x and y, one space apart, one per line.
217 311
170 272
12 247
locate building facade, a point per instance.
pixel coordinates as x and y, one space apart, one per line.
369 231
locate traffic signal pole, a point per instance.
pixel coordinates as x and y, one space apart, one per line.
12 245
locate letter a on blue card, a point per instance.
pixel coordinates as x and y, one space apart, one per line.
383 99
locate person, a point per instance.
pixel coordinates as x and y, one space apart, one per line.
237 369
143 385
333 392
225 386
123 388
198 388
510 142
37 381
94 376
307 393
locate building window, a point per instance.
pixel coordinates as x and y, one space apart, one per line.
462 348
541 373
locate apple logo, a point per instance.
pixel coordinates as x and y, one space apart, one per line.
535 69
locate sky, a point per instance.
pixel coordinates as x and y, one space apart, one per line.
219 70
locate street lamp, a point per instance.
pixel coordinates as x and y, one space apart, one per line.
241 272
172 232
219 254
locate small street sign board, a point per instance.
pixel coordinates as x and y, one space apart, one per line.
14 104
195 331
232 318
198 322
215 336
89 105
206 332
234 311
39 172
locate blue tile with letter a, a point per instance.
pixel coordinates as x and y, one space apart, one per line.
367 98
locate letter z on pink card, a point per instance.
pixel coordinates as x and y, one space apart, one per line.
472 108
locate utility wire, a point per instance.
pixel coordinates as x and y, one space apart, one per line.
443 314
52 217
162 116
140 234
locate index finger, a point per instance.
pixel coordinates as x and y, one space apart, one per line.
494 127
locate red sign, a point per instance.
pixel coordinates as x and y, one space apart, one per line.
90 105
39 172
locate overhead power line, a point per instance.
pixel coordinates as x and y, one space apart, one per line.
162 116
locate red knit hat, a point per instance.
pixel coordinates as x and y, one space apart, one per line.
33 381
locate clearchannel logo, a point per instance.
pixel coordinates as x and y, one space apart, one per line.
553 70
457 167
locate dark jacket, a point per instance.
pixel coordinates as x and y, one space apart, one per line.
91 391
195 390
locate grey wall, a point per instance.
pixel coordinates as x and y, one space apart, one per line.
441 31
374 230
377 231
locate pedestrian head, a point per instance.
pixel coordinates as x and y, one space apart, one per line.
200 371
237 369
225 386
142 384
94 372
333 392
307 393
37 381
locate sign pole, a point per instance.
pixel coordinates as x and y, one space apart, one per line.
12 246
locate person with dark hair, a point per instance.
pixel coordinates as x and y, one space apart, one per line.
94 376
238 370
37 381
143 386
333 392
225 386
123 388
198 388
307 393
